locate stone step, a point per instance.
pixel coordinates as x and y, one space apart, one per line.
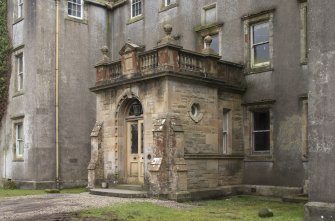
119 193
127 187
295 199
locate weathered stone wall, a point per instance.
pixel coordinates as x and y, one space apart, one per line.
285 83
202 136
321 111
34 35
111 110
203 139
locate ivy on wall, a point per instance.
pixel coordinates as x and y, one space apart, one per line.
4 57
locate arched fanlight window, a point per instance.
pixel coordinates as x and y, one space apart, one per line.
135 109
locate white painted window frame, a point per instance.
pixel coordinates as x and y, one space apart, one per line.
167 2
226 131
19 71
140 4
20 8
19 151
252 46
81 9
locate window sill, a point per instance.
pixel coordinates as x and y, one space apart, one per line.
135 19
19 47
259 158
214 156
166 8
16 117
207 26
78 20
304 159
18 159
18 93
18 20
303 63
259 70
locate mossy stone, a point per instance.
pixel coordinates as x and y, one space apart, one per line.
265 212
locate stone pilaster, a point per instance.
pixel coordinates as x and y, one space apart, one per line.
95 167
168 168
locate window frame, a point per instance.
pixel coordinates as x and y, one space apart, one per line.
19 151
213 30
81 9
253 131
254 45
131 8
304 127
20 4
19 61
203 13
219 42
248 21
18 142
303 33
167 3
226 131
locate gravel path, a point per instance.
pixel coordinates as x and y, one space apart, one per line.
27 207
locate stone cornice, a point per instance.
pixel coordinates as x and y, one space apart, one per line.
170 74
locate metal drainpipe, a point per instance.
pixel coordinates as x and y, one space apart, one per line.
57 93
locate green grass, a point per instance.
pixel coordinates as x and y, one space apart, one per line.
234 208
19 192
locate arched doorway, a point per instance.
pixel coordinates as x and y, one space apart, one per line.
134 143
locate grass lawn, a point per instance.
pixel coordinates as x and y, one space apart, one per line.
19 192
234 208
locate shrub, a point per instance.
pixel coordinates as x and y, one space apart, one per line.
9 184
4 57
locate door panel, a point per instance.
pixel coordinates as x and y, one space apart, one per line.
135 149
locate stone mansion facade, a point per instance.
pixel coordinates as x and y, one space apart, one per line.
189 99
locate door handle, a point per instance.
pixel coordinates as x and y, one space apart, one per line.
134 158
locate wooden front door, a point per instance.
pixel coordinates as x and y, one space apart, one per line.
135 158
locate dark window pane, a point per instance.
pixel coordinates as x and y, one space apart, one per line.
133 11
261 33
20 63
142 132
134 139
261 53
262 141
261 120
